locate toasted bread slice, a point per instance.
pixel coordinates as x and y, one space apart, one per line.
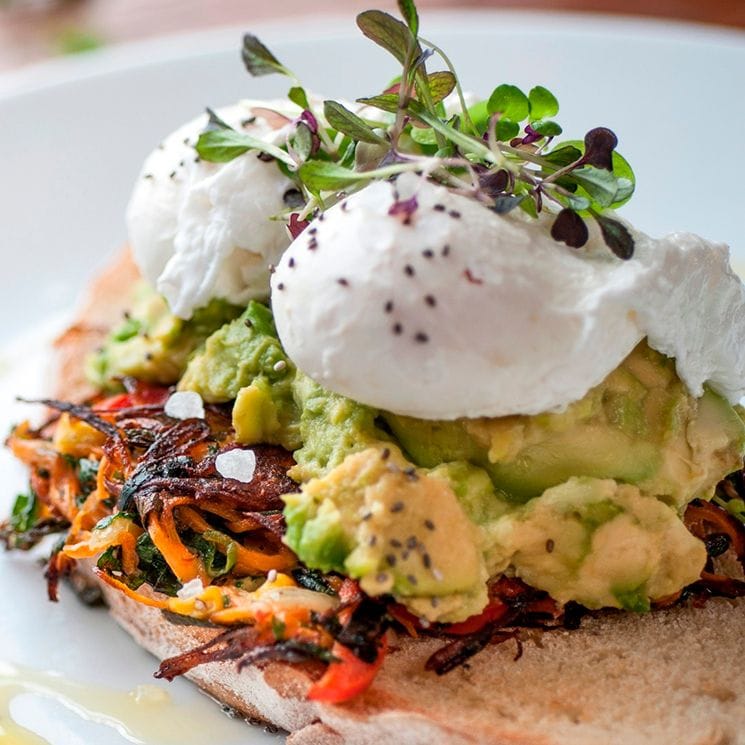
668 677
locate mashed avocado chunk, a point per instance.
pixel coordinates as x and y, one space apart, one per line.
584 503
600 543
639 426
396 529
244 361
152 344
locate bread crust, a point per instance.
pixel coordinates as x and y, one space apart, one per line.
672 676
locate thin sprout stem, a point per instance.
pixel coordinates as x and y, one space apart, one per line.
459 90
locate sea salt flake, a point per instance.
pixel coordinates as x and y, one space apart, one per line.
185 405
236 464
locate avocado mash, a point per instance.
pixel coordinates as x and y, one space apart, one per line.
151 343
583 503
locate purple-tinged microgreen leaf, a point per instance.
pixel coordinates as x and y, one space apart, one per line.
296 226
599 146
404 209
510 102
570 228
298 96
494 183
616 236
389 33
543 103
506 203
385 102
441 85
259 60
410 15
546 128
343 120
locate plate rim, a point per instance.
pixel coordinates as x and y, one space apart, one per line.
173 47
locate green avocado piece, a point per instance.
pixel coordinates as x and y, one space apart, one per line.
151 343
639 426
397 529
243 360
599 543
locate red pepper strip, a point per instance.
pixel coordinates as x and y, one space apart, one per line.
493 612
143 396
347 678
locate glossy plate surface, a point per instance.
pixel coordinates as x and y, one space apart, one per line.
74 132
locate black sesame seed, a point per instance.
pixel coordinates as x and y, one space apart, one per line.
381 577
397 328
249 323
388 306
430 300
186 140
197 159
445 250
404 555
395 543
385 454
412 542
312 244
246 122
411 578
550 545
421 337
397 507
281 286
344 206
172 174
411 473
291 262
312 231
148 356
390 560
182 163
367 516
439 208
148 176
409 270
428 253
343 282
429 524
434 602
454 214
426 560
373 540
272 268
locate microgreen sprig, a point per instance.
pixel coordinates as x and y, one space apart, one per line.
500 151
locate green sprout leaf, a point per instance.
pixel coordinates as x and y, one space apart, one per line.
510 102
385 102
259 60
543 103
441 85
601 185
298 96
302 142
389 33
563 156
320 175
224 145
343 120
410 15
547 128
506 130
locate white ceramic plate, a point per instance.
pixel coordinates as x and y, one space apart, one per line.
73 134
